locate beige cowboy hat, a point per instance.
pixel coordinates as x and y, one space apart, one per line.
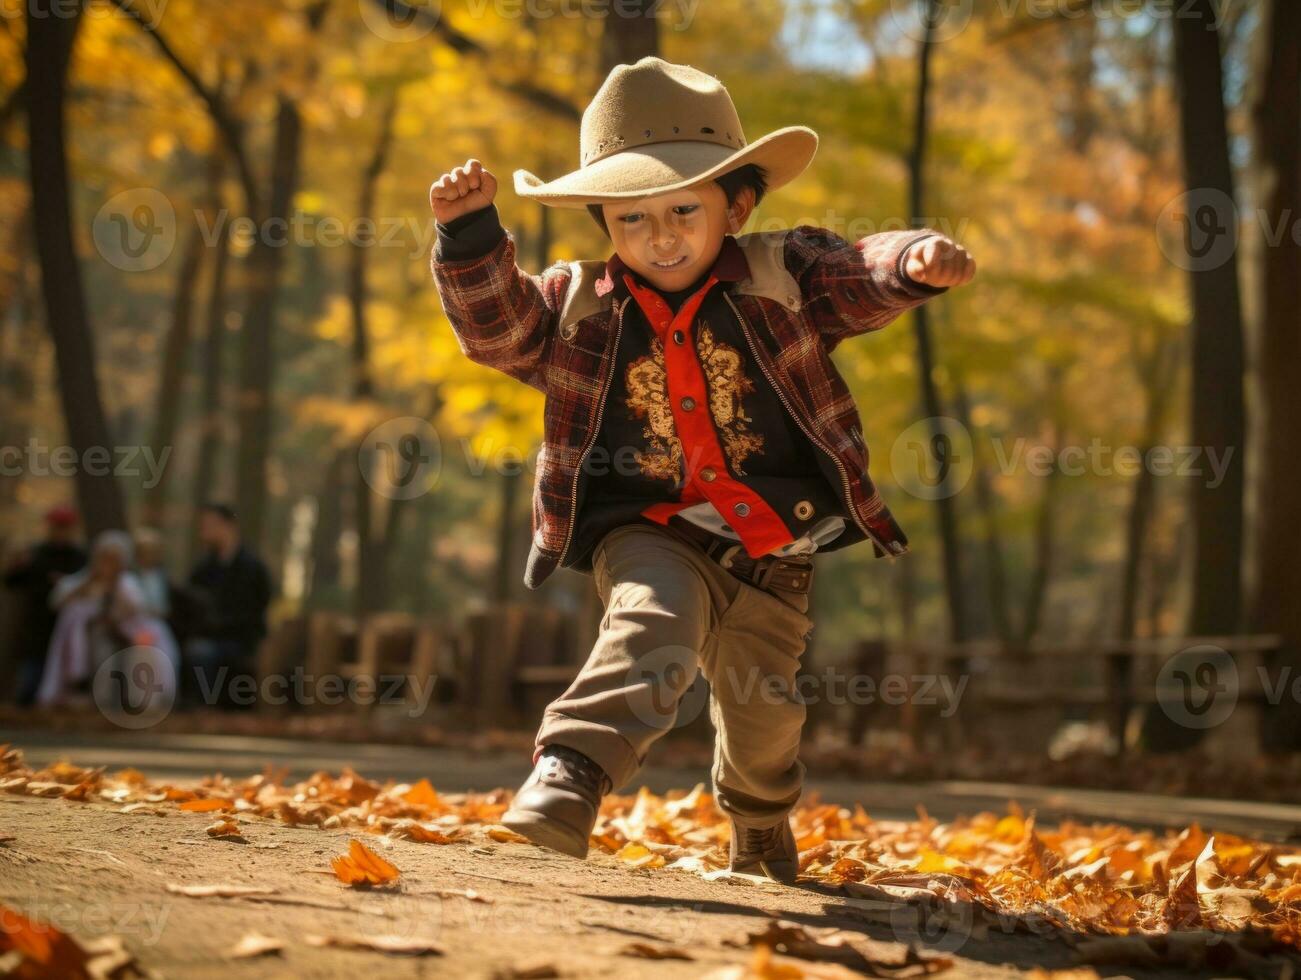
655 127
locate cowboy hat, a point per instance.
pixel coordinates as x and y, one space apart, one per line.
655 127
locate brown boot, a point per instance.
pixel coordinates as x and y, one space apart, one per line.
557 805
767 851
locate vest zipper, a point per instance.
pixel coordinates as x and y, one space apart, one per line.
844 477
596 428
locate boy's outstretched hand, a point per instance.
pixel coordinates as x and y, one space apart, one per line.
464 189
939 261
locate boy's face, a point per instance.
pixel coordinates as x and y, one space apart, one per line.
673 239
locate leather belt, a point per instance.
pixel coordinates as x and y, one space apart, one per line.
768 571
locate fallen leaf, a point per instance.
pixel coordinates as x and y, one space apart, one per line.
225 828
423 794
506 836
255 944
380 944
44 950
650 952
418 832
206 806
361 867
219 891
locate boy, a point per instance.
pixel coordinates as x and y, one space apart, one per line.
699 444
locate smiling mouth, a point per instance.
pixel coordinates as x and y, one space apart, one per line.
669 265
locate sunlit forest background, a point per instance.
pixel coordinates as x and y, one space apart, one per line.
1059 144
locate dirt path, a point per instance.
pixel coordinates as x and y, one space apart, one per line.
497 909
92 870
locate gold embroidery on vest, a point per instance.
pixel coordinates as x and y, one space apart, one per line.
648 399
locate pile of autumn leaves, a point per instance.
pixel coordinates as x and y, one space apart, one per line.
1138 892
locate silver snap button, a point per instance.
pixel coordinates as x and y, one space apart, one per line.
688 403
679 337
741 509
708 474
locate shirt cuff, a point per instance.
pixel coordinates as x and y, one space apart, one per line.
921 287
471 236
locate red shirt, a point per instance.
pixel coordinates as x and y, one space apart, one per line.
707 477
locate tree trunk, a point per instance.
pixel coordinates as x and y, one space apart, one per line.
931 400
50 42
1045 536
257 347
1218 420
635 36
1276 606
995 575
372 548
212 418
176 348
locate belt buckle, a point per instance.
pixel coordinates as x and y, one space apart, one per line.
725 559
763 578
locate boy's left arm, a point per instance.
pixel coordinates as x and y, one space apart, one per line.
850 288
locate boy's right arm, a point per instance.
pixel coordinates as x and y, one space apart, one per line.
503 316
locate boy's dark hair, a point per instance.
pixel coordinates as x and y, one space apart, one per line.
751 175
224 511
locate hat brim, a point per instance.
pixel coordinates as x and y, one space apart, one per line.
659 168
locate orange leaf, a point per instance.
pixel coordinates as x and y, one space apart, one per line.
225 827
206 806
361 867
423 794
55 952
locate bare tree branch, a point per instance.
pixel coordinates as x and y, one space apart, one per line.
537 96
227 123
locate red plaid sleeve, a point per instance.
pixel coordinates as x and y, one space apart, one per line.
853 288
503 316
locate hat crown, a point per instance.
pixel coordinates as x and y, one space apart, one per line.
656 101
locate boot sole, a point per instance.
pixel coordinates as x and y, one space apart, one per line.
545 832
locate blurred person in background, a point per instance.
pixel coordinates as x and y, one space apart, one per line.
101 609
151 570
232 588
32 574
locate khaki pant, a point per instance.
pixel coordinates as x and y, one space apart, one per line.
669 612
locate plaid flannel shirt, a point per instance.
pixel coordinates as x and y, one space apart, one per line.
808 291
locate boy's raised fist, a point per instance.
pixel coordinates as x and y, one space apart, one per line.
462 190
939 261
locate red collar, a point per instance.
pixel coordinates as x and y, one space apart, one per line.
730 266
